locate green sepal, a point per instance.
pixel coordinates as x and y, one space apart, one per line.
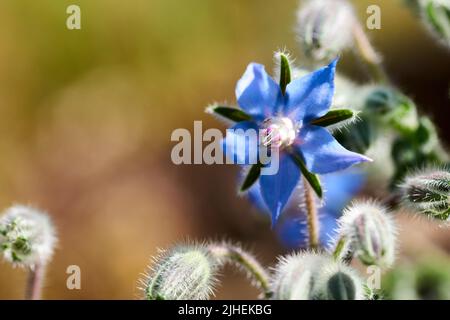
333 116
285 72
252 175
230 113
312 178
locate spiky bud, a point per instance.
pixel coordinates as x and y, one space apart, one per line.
435 15
185 272
338 281
428 192
293 277
309 276
27 236
369 234
324 27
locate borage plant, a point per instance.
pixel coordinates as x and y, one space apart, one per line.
319 124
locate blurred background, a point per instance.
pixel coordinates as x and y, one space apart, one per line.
86 118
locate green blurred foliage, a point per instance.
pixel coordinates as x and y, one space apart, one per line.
424 280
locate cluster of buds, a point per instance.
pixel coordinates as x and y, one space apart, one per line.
27 236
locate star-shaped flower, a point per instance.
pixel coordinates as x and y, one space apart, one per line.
290 117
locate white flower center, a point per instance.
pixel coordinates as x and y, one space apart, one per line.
278 132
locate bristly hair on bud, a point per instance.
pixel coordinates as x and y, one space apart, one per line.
184 272
294 275
428 193
325 27
367 231
27 236
315 276
337 281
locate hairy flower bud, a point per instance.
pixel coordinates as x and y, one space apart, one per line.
337 281
27 236
324 27
428 193
369 233
293 278
308 276
185 272
435 15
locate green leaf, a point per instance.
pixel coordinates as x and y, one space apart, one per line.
252 176
230 113
392 108
312 178
333 116
285 72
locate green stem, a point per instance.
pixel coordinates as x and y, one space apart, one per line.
338 249
229 253
339 254
368 54
311 216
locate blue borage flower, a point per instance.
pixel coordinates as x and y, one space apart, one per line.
340 187
285 116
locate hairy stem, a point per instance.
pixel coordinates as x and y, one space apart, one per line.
34 282
229 253
337 252
311 216
368 54
341 252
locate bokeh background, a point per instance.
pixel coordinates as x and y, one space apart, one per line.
86 117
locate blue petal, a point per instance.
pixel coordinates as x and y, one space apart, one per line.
255 196
310 97
322 153
292 230
293 233
340 187
241 143
276 189
257 93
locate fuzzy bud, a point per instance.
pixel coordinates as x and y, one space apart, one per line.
324 27
185 272
369 233
310 276
337 281
428 193
27 236
435 15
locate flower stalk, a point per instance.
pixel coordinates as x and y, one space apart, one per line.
312 218
226 252
368 54
34 282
